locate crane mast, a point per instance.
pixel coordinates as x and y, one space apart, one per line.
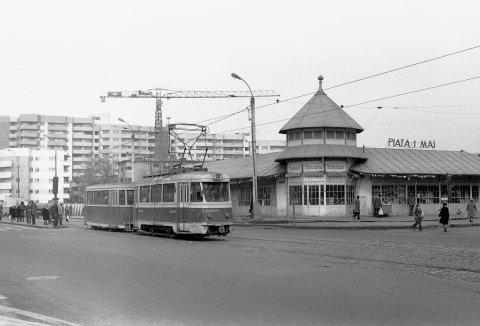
161 139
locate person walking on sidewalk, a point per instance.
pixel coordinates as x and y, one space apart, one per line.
53 210
33 211
418 212
444 216
356 208
471 209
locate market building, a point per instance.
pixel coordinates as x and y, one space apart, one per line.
322 170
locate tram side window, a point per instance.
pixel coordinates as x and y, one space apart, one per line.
121 197
157 193
113 197
169 192
215 191
97 197
196 193
145 194
89 197
130 197
104 197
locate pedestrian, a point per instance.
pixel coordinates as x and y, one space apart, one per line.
356 208
28 212
11 211
444 216
18 213
61 213
67 212
411 204
377 204
418 212
33 211
1 211
45 214
53 210
471 209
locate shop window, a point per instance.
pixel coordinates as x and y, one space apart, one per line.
308 134
460 194
335 194
339 134
475 193
312 194
295 195
267 195
244 196
318 134
429 194
351 135
395 194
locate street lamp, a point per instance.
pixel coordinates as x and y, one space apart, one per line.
55 178
133 147
18 171
254 145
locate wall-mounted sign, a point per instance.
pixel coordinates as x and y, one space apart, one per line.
312 166
335 166
294 168
405 143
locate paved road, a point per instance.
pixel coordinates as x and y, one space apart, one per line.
257 276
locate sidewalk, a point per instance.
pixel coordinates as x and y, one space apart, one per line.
326 222
366 222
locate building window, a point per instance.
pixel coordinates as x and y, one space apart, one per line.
460 193
312 194
37 191
295 195
244 196
267 195
339 134
395 194
430 194
351 135
330 134
351 195
475 193
335 194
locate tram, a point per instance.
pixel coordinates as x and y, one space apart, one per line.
193 202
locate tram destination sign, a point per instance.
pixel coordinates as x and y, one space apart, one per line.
406 143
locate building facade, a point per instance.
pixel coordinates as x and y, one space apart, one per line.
322 170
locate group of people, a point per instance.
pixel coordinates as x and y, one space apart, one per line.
22 213
53 213
444 214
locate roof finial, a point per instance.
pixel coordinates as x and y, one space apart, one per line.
320 89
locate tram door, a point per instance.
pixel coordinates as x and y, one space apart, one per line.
182 217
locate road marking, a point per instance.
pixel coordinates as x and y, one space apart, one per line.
42 278
43 318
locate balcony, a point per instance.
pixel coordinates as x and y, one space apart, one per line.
6 164
6 186
82 151
6 175
57 128
54 135
57 142
82 128
28 134
81 159
29 127
27 142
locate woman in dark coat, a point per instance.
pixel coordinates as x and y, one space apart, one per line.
45 215
444 216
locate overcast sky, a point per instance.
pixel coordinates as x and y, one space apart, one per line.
58 57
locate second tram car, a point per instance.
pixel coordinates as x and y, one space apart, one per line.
188 202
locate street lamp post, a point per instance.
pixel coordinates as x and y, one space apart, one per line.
133 147
55 178
18 172
254 145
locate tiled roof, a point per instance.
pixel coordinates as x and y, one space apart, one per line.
238 168
317 151
415 161
320 111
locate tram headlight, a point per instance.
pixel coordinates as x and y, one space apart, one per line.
209 215
227 215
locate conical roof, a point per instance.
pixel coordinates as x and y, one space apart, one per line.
320 111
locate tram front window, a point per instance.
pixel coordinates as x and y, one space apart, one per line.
215 191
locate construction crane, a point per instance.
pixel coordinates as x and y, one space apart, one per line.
161 146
